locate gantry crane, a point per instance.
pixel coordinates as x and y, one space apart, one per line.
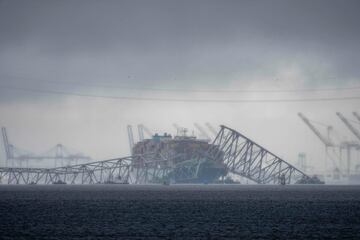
211 128
357 116
57 153
349 144
325 140
349 125
8 149
12 153
202 131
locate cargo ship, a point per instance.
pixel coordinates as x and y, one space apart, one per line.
184 156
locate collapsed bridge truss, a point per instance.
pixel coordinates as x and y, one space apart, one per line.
118 170
240 155
248 159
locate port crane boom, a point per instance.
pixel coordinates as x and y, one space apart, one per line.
357 116
211 128
326 141
349 125
202 131
7 147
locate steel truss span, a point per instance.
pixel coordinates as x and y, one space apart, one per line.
117 171
248 159
240 155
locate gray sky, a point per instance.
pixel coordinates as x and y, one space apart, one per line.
73 46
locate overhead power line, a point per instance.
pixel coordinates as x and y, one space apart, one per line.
67 93
113 86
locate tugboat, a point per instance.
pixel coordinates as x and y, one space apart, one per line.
59 182
117 180
282 179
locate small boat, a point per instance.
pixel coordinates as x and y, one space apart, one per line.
59 182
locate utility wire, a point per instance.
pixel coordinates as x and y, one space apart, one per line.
67 93
188 90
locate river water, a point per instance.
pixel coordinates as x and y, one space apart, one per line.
179 212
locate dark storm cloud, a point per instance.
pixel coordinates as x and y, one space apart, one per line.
178 43
95 24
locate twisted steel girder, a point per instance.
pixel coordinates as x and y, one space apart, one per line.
118 170
248 159
239 154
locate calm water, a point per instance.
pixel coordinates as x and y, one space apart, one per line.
179 212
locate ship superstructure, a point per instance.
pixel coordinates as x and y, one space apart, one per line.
184 155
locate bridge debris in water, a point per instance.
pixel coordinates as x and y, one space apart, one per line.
182 159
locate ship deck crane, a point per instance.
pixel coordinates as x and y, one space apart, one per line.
147 131
140 132
131 137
